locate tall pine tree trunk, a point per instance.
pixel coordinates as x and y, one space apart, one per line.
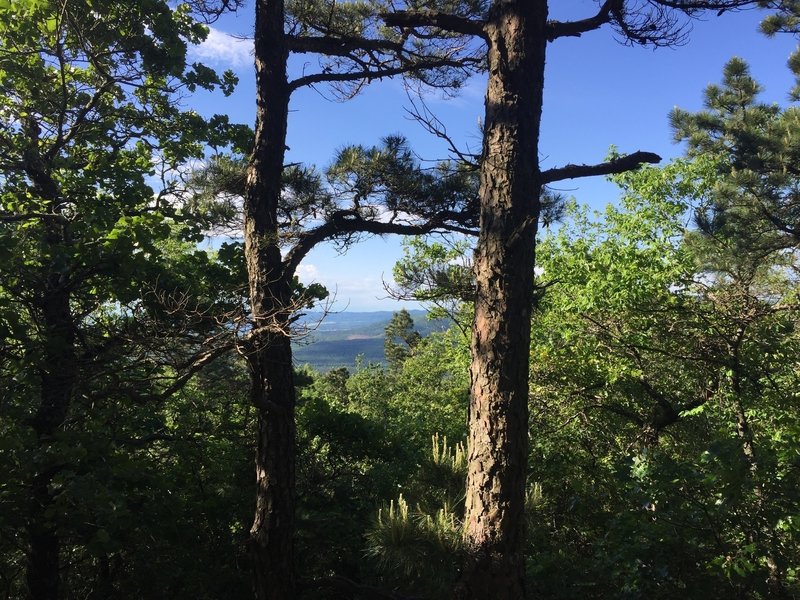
272 547
504 261
270 357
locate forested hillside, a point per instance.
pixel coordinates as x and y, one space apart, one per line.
596 404
347 338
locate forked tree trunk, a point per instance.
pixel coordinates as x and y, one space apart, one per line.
504 261
270 356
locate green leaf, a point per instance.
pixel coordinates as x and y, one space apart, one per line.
698 410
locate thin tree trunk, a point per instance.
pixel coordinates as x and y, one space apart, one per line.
743 431
504 262
270 358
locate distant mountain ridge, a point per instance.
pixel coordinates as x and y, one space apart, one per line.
337 339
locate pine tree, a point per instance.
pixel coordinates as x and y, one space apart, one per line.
353 49
756 149
400 338
516 35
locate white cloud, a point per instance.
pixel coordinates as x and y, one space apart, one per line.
224 50
308 273
358 293
354 292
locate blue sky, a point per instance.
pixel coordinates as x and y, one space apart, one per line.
598 92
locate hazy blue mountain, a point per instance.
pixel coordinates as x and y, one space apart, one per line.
339 338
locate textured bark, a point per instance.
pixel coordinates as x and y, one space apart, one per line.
272 544
504 260
270 358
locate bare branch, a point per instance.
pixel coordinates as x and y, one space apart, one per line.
10 218
699 5
371 74
197 364
348 222
420 112
616 165
617 410
557 29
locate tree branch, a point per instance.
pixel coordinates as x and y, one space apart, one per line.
557 29
346 221
616 165
432 18
197 364
368 74
11 217
617 410
660 398
339 46
695 5
420 112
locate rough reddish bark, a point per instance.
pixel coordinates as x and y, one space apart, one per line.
270 358
504 260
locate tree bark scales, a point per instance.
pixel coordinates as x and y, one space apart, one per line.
271 536
504 262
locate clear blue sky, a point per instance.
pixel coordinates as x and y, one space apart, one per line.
598 92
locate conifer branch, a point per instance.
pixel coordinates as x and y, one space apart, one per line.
369 74
432 18
558 29
339 46
616 165
346 222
